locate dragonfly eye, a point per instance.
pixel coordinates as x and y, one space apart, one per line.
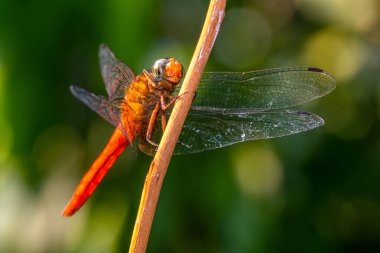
158 69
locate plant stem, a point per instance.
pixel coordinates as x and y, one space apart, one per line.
159 165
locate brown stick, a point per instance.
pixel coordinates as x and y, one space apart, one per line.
159 165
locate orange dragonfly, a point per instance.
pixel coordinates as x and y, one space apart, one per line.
229 107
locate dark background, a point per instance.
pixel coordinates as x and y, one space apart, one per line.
313 192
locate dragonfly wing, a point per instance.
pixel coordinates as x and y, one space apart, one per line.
216 128
108 109
263 89
116 75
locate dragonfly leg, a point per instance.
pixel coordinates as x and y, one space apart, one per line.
151 125
183 144
163 120
165 106
163 116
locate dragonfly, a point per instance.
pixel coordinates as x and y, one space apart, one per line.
229 107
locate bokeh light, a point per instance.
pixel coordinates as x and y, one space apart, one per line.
341 54
254 39
346 13
258 171
5 130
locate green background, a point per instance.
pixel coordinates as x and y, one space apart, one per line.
313 192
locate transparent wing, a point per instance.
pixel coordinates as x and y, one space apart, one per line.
108 109
116 75
204 130
263 89
216 128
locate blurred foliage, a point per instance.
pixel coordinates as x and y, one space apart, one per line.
313 192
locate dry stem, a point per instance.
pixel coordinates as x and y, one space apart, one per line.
159 165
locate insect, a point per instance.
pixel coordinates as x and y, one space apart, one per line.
229 107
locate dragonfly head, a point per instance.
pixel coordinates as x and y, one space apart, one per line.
168 69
